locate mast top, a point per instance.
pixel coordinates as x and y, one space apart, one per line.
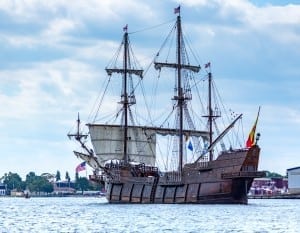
177 11
125 28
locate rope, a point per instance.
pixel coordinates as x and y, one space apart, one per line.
152 27
101 100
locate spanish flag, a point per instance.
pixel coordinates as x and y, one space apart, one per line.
251 138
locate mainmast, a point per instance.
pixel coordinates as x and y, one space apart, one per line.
180 98
125 97
180 92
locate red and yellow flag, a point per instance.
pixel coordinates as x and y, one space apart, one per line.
251 138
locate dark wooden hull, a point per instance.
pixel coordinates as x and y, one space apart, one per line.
225 180
187 193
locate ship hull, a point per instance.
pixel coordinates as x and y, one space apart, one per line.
178 194
226 180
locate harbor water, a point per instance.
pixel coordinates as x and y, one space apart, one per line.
93 214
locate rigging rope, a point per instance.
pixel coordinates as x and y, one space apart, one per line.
152 27
101 100
190 49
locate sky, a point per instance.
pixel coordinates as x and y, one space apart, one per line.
53 55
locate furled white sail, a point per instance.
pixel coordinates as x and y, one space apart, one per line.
108 143
91 160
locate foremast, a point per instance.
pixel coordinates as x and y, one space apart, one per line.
126 99
180 98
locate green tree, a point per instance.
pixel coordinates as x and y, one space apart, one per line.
30 177
82 184
31 182
67 176
273 175
47 187
13 181
38 183
76 177
48 176
57 176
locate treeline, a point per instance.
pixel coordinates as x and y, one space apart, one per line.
44 182
274 175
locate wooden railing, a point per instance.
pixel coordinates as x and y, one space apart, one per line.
243 174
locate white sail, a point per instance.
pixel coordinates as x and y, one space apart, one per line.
91 160
108 143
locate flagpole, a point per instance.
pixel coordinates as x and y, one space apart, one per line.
251 138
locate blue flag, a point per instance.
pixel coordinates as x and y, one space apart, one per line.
190 145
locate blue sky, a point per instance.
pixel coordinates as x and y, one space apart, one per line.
53 56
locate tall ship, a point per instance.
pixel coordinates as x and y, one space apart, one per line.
171 161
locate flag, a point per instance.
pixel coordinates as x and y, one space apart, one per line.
190 145
125 28
251 138
80 167
207 65
177 10
189 142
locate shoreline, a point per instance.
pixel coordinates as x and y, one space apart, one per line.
279 196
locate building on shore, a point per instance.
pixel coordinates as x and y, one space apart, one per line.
269 186
64 187
2 189
277 185
294 180
16 193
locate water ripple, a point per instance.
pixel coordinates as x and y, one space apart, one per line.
96 215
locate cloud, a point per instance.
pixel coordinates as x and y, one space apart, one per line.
59 27
54 55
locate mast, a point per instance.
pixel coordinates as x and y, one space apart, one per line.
126 101
125 96
79 136
210 116
180 98
180 93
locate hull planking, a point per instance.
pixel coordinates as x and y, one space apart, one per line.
225 180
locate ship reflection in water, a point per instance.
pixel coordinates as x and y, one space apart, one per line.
79 214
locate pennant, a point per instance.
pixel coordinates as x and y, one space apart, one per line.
177 10
125 28
251 138
80 167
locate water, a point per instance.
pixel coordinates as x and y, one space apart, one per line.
81 214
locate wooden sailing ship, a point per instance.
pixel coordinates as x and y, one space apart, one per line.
124 155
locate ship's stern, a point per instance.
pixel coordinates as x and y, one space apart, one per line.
242 180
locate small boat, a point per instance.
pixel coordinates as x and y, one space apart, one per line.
197 166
